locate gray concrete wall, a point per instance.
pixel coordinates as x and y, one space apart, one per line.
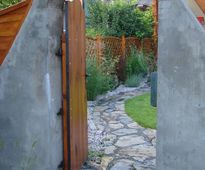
181 87
30 93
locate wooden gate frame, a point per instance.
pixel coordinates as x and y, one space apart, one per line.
75 137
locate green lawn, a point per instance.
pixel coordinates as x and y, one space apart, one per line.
140 110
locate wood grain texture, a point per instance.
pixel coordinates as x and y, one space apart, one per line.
201 4
75 131
155 5
11 20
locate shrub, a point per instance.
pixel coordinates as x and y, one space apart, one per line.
101 77
119 18
133 81
135 63
152 65
7 3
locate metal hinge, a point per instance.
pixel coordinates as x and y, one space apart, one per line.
59 52
60 113
61 165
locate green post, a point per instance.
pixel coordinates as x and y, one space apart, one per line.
154 89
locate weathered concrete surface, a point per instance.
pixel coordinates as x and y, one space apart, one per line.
181 85
30 93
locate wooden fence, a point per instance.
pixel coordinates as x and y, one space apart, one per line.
119 47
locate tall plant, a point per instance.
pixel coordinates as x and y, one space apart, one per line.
101 76
136 63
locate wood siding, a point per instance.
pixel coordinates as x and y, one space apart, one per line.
11 20
201 4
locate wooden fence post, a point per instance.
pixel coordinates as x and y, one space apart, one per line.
99 50
122 59
155 34
123 46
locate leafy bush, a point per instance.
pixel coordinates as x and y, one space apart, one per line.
101 77
119 18
135 63
133 80
152 65
7 3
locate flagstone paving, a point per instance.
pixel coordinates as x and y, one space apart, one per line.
115 140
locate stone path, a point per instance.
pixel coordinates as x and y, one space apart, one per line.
116 142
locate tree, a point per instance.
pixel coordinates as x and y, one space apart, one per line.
119 18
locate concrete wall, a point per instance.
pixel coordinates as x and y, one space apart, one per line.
181 87
30 93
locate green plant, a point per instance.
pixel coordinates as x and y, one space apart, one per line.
140 110
135 63
7 3
152 65
119 18
101 76
133 81
97 18
95 154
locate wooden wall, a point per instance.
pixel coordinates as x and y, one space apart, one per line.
11 20
201 4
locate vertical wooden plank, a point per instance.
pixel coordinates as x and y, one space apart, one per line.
99 50
155 34
122 59
123 46
64 96
78 145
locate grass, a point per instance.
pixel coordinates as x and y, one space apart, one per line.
140 110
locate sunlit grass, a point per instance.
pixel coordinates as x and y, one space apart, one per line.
140 110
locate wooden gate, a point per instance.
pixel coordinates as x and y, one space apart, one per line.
74 90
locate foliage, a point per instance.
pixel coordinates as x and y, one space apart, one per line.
133 80
135 63
140 110
95 154
7 3
109 63
101 77
92 32
119 18
152 65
